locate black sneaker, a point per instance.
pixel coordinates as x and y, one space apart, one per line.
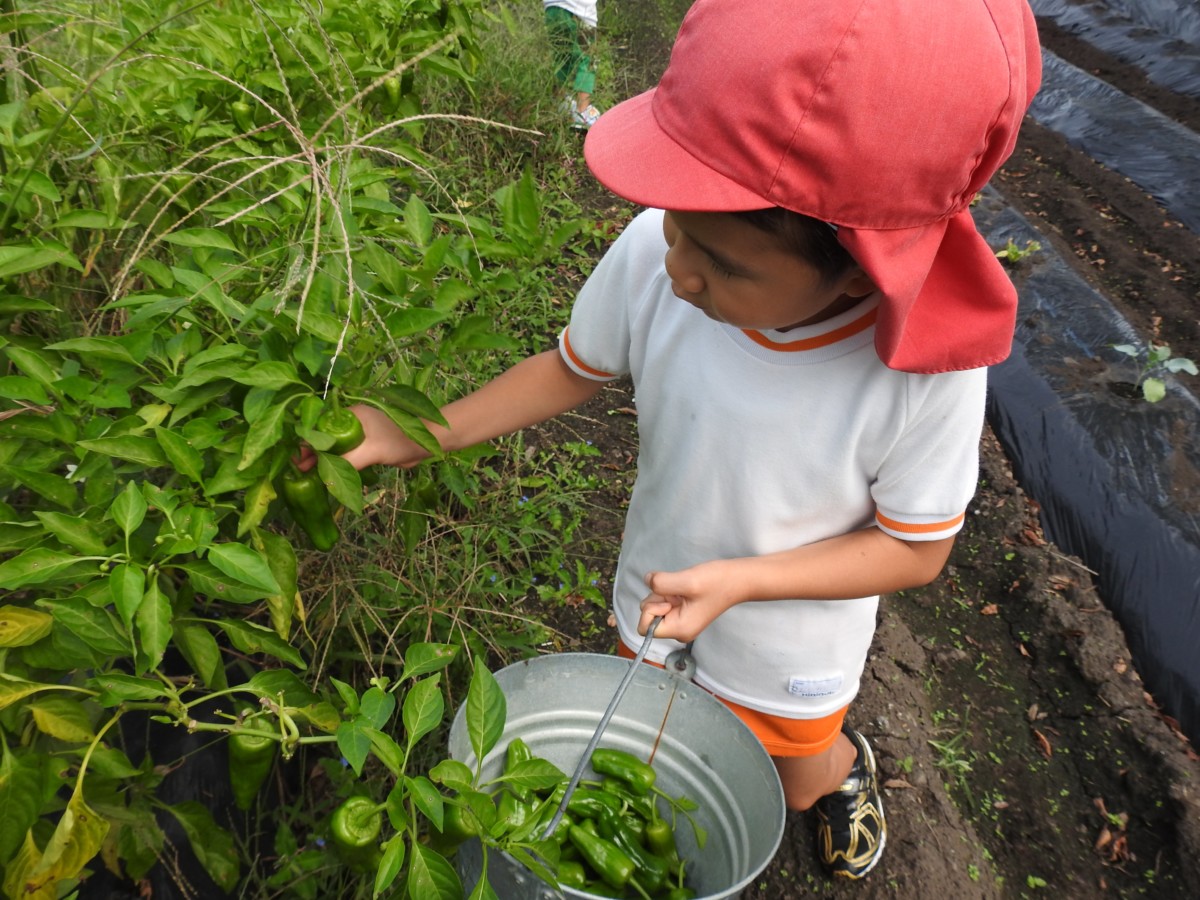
851 830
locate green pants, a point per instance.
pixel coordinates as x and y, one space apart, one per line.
570 41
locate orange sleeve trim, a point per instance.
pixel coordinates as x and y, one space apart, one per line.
815 343
579 363
926 528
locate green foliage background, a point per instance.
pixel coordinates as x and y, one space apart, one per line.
218 220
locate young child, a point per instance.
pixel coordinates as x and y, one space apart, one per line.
806 326
571 25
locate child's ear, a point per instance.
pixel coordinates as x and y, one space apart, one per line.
858 283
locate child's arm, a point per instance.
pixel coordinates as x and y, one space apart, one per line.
535 389
859 564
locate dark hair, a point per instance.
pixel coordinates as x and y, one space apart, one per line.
810 239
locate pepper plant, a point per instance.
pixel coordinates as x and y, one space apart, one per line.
218 228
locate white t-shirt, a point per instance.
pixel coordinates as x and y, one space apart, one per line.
581 9
756 442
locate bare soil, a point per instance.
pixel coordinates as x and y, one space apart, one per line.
1021 755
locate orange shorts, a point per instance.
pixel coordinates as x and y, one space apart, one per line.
779 736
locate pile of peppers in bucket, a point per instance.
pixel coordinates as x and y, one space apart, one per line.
617 837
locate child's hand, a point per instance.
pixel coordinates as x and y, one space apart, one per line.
383 444
688 600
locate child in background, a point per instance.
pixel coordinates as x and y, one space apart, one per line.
572 25
806 311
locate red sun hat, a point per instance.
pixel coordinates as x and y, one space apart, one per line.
883 117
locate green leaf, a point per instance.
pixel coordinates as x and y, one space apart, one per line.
251 638
264 433
377 706
421 659
20 627
390 864
17 259
417 220
256 502
109 762
115 688
413 320
19 387
52 487
33 364
409 399
154 624
245 565
271 375
427 799
137 449
129 509
354 742
84 218
184 458
93 625
201 237
213 845
36 566
431 876
202 653
281 557
127 582
208 581
386 750
535 774
20 798
1153 389
423 709
62 718
453 774
274 682
99 347
487 710
74 531
342 480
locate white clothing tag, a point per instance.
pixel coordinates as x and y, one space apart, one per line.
814 687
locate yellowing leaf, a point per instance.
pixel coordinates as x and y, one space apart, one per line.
75 842
62 718
18 874
20 627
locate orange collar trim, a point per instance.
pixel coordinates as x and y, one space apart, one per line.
815 343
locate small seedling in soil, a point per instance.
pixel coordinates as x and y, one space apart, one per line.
1011 253
1155 360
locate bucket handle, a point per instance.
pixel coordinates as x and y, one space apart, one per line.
608 714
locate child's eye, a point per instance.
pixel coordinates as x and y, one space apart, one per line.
719 269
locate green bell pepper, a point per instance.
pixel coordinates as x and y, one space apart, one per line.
607 860
638 775
344 427
652 872
307 499
355 827
251 756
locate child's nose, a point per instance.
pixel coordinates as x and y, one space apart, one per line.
684 275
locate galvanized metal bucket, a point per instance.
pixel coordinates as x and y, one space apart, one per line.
704 753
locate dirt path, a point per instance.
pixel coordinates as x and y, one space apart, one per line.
1021 755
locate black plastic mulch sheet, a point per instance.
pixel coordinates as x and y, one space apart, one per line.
1156 153
1160 37
1117 478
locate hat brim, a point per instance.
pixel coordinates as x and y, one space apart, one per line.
633 157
